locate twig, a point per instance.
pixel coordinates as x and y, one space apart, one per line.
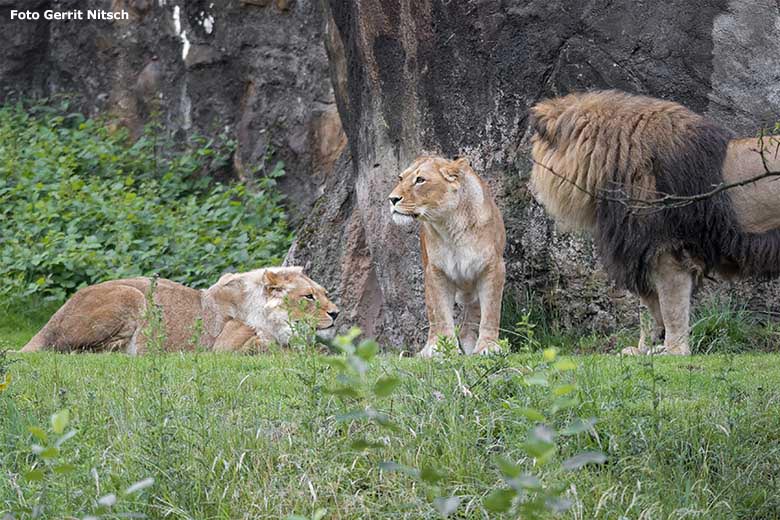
667 200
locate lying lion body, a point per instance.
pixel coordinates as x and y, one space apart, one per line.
108 317
613 164
240 311
462 241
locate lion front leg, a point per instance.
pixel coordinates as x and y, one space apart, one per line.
674 284
491 291
439 303
234 337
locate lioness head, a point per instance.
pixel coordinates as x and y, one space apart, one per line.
427 189
271 299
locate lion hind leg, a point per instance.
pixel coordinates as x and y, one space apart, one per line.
97 318
651 329
491 290
469 328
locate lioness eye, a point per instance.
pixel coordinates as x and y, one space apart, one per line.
309 297
419 180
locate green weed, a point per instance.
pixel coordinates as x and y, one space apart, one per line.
80 205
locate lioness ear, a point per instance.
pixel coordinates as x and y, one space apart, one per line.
229 291
273 282
455 169
237 284
461 162
271 279
451 172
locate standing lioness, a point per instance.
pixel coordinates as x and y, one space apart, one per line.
462 239
253 308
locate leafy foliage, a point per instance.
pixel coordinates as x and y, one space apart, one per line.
523 492
525 335
725 325
80 205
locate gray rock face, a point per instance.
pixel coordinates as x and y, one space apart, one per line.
458 77
248 70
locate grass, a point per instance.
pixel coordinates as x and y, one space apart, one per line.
257 437
719 325
16 328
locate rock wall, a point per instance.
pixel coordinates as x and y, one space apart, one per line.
252 71
458 77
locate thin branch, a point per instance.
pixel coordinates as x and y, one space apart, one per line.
668 200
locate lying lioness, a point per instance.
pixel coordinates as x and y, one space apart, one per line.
239 311
462 241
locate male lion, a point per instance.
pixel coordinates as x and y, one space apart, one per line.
239 311
620 167
462 240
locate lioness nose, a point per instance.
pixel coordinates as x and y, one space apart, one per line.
333 314
395 200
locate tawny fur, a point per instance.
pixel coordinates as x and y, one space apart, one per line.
757 204
598 156
241 312
462 240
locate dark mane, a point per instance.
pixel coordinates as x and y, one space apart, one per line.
706 233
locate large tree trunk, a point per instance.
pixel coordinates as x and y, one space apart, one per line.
457 77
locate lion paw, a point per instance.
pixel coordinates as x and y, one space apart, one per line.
467 344
485 347
429 350
663 350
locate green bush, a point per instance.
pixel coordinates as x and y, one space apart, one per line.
80 205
